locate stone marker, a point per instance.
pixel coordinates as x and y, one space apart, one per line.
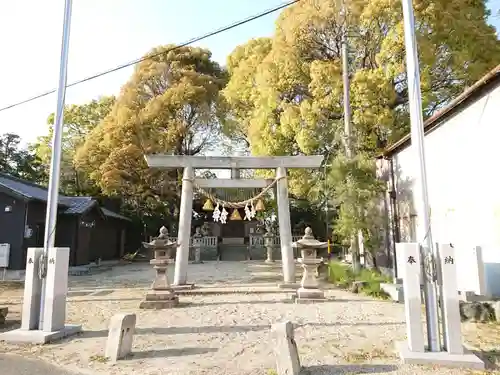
472 280
412 351
285 349
49 326
32 290
452 321
54 313
120 336
412 296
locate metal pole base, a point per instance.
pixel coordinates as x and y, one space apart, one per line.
443 358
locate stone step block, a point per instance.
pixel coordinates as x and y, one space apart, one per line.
120 336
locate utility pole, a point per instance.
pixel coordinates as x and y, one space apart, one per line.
55 163
347 118
327 218
421 196
346 84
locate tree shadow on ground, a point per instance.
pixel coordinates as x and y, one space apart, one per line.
180 330
491 358
11 285
174 352
275 301
10 325
222 303
348 369
223 329
263 279
115 299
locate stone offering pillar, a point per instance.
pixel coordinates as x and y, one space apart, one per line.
50 326
184 234
285 227
450 300
32 290
413 351
54 314
268 243
477 271
412 294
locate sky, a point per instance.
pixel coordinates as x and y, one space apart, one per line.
104 34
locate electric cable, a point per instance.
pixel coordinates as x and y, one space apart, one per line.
149 57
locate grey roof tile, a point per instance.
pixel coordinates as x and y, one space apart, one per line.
74 205
110 213
24 188
78 205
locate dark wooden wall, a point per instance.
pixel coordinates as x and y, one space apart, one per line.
12 229
105 236
108 239
65 232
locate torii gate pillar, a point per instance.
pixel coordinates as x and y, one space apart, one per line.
184 234
285 227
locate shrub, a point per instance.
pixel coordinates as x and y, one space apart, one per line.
340 275
343 276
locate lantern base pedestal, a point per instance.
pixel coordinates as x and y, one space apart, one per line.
315 294
293 286
182 287
158 300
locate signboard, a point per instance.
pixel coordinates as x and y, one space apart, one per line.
4 255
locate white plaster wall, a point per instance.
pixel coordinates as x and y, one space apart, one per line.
463 159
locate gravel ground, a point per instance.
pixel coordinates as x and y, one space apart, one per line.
226 334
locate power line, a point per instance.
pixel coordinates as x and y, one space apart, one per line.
149 57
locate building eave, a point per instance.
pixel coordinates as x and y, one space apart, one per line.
436 120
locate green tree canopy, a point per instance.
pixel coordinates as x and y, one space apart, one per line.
170 105
20 162
286 92
79 121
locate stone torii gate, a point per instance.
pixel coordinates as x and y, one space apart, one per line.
190 163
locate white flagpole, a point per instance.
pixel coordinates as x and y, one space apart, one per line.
417 143
55 164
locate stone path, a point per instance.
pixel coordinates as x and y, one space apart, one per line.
18 365
228 334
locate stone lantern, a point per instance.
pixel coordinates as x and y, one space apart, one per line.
197 244
268 244
161 296
309 285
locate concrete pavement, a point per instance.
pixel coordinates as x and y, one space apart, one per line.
17 365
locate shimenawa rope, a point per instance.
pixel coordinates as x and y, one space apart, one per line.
241 204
